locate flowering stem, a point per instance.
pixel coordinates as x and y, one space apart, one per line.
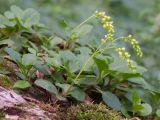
88 61
81 70
118 39
106 48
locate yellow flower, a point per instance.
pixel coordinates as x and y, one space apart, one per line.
126 56
107 25
135 45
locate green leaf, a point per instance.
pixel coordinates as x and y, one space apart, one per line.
83 50
29 59
13 54
136 102
137 107
31 17
86 80
6 42
135 98
140 81
47 85
111 100
79 62
42 68
121 66
63 23
69 60
124 111
83 30
158 112
22 84
61 97
17 12
64 87
78 94
101 62
9 15
53 61
67 56
33 51
5 22
147 110
21 76
55 41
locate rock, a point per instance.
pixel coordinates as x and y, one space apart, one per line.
8 98
15 107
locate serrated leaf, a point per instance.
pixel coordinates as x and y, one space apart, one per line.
111 100
22 84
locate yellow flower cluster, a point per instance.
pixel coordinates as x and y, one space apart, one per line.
135 45
126 56
107 24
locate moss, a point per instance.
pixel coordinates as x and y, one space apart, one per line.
90 112
2 115
5 81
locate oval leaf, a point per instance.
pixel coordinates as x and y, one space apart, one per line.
111 100
83 30
78 94
13 54
47 85
29 59
21 84
147 109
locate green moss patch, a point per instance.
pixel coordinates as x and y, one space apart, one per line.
5 81
89 112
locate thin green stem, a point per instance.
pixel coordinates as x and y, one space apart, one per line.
73 30
88 61
81 70
83 22
118 39
107 48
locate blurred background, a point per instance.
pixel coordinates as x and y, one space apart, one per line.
141 18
